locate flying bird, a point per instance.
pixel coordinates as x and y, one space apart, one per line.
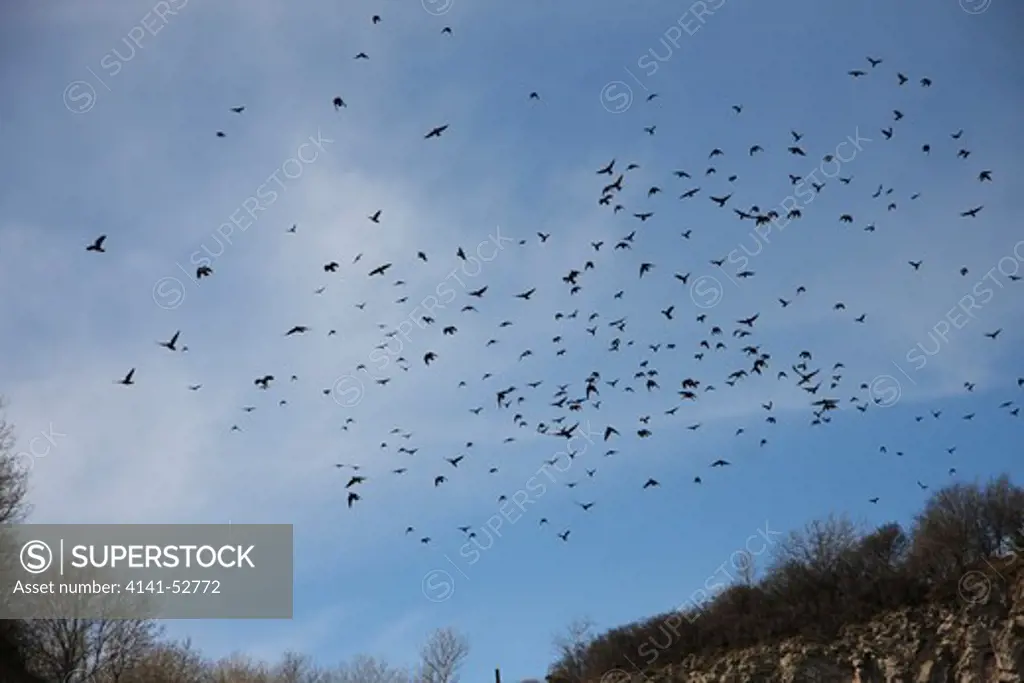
171 343
525 296
434 133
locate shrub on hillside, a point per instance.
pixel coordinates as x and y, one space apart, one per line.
823 577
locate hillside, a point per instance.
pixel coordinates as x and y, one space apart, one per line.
981 642
940 603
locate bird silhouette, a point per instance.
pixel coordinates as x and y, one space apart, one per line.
170 344
433 133
525 296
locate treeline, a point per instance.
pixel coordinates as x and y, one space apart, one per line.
68 654
136 651
819 579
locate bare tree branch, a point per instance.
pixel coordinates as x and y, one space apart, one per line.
367 669
571 647
442 657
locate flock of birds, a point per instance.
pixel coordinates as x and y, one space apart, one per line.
820 379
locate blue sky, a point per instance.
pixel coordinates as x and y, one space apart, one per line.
97 142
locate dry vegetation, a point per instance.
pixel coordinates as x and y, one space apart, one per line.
821 578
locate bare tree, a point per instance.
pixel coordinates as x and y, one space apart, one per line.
169 662
746 568
12 665
14 638
571 648
85 637
129 642
881 552
299 668
820 547
73 650
1003 516
13 475
442 657
367 669
240 668
964 523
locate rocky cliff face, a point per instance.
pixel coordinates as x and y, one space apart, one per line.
981 640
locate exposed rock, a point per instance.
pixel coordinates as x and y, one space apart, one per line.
980 640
